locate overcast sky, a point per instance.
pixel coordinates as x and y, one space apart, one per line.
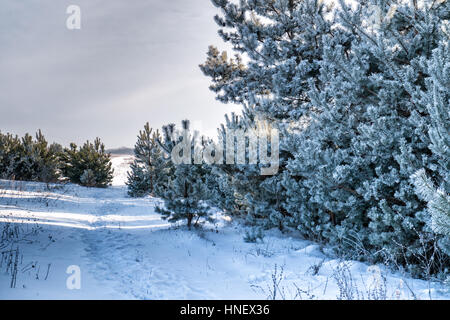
131 62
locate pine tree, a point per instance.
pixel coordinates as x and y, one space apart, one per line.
352 156
28 159
346 90
283 42
437 101
138 181
438 206
88 165
10 153
149 169
186 196
47 160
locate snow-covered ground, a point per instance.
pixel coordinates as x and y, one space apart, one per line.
124 250
121 165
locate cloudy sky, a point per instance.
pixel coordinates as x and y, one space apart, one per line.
131 62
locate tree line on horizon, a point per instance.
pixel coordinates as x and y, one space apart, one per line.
28 159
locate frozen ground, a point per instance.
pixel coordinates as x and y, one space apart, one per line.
125 251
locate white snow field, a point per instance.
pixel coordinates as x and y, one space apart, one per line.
126 251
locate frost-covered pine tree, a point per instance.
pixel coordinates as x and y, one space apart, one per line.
351 158
186 195
232 180
138 181
241 188
438 206
345 90
437 100
281 42
148 168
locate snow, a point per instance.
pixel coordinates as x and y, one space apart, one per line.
126 251
121 165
